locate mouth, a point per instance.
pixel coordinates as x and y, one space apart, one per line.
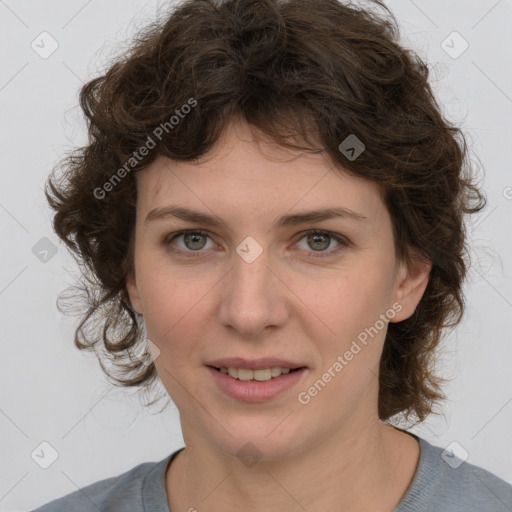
259 385
262 375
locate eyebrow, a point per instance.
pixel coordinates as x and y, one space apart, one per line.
214 221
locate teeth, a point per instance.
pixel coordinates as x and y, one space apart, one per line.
259 375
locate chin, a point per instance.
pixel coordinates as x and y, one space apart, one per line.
264 440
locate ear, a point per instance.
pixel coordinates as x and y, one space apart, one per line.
133 292
412 280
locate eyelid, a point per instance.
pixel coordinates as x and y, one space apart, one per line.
342 241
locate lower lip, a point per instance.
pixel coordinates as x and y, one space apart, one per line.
253 390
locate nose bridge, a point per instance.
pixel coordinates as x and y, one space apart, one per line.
252 298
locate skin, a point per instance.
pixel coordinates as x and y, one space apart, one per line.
333 453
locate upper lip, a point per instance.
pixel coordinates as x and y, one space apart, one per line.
254 364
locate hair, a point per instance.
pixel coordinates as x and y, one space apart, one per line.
316 68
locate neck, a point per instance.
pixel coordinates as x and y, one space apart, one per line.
369 468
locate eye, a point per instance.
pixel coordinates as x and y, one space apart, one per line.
319 240
194 241
191 238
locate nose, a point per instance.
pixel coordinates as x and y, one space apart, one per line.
254 297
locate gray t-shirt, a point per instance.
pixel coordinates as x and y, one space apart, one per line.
436 486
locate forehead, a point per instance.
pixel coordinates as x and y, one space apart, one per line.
247 172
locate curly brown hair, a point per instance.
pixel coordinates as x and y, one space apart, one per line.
315 68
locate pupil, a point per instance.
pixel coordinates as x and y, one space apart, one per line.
318 236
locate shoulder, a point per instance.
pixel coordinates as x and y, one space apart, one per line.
444 481
125 492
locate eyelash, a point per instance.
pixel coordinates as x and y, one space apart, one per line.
341 240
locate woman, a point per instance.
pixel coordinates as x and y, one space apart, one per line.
272 204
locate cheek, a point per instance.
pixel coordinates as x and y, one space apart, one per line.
352 302
350 311
174 304
350 336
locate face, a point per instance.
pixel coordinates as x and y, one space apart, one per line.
255 286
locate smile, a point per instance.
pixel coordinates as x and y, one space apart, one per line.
255 385
260 375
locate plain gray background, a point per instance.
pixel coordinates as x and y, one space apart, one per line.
52 393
